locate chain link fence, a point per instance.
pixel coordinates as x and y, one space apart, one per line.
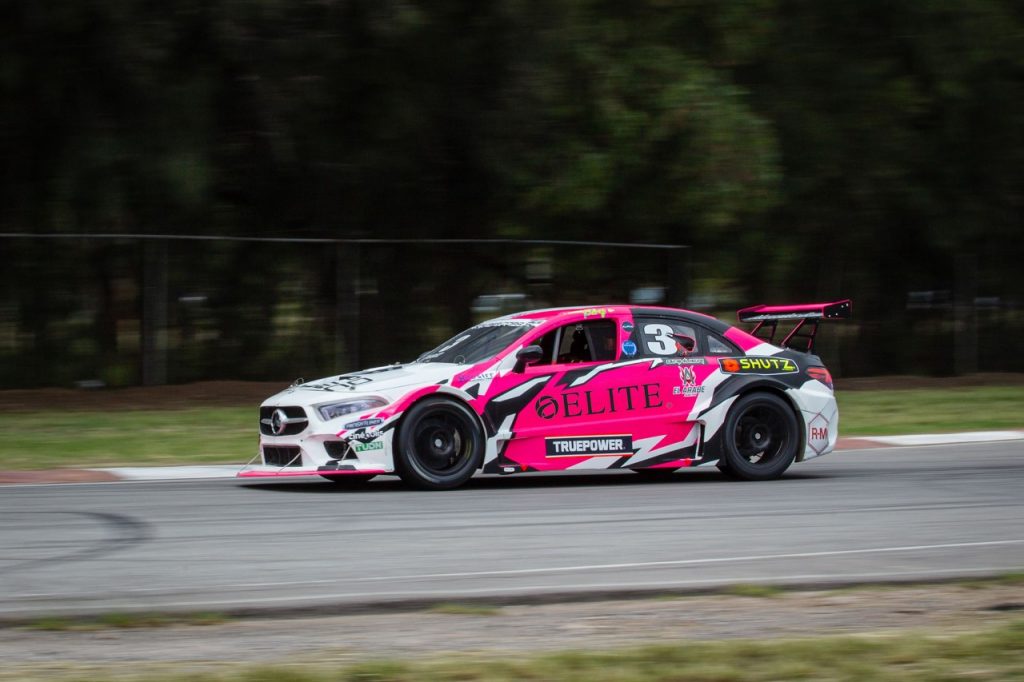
117 310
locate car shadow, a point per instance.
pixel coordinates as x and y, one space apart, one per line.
564 480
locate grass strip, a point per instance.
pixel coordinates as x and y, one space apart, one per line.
754 590
996 654
456 609
926 410
992 654
115 621
42 440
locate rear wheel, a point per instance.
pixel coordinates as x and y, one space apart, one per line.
440 445
761 438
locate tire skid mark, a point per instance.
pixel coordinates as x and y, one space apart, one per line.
126 531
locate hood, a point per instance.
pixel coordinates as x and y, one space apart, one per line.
390 382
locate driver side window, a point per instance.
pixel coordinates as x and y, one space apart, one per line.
591 341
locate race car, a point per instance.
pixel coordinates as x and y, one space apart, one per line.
650 389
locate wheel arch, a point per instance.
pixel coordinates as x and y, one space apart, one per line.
781 392
451 396
714 444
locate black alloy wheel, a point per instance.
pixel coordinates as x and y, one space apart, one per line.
760 438
440 444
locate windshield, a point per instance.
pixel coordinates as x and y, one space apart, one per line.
478 343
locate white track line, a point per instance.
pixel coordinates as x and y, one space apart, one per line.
691 562
822 579
558 569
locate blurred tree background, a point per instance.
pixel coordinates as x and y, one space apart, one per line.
804 150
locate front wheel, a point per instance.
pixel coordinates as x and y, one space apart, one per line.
440 445
760 438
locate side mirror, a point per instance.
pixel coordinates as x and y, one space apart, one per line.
686 342
527 356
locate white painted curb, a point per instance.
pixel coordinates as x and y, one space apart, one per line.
947 438
173 473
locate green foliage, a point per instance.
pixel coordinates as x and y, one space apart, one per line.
631 130
834 148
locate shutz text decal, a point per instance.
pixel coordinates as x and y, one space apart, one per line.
758 365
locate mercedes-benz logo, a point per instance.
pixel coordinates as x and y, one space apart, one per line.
279 422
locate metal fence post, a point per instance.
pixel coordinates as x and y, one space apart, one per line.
677 276
355 351
154 312
346 310
965 324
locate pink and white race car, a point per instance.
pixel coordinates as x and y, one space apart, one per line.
606 387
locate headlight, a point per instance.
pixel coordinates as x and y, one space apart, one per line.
335 410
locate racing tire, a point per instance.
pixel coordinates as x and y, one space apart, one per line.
761 437
440 445
350 480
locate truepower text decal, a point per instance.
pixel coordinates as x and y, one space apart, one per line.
589 446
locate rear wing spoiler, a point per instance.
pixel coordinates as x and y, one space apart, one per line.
807 317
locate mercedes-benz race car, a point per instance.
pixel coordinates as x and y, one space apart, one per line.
606 387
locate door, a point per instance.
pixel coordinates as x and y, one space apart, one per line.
679 362
596 397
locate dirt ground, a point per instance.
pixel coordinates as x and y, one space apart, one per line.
503 631
242 393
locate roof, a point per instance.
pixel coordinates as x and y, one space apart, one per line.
551 313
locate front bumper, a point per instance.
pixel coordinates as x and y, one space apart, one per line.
319 454
274 472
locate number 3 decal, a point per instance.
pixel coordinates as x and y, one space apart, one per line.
662 342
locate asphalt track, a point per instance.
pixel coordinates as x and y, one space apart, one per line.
891 514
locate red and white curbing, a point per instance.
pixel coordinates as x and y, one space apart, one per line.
220 471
